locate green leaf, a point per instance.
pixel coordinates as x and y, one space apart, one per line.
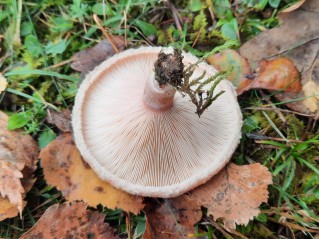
61 24
3 15
78 10
222 9
33 45
101 9
262 217
274 3
249 125
230 29
147 28
57 48
26 28
260 5
18 120
195 5
46 137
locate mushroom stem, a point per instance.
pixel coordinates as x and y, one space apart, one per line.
158 98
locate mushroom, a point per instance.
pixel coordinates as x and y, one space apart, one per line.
146 139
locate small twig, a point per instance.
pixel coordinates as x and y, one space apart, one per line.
278 139
145 38
98 22
218 227
289 49
2 59
272 109
62 63
125 28
176 17
281 116
197 36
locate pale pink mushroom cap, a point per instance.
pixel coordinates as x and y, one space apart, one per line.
157 153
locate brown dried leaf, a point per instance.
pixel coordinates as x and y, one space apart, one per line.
231 59
62 120
294 6
3 83
175 218
64 168
297 38
10 184
277 74
235 193
70 220
7 209
18 159
86 60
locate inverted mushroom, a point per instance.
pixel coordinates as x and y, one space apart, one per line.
146 139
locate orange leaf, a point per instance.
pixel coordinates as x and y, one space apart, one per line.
231 59
18 158
174 219
235 193
70 221
64 168
277 74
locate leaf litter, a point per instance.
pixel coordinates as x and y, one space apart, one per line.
70 220
173 219
298 39
277 74
18 159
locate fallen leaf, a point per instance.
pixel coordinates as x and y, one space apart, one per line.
298 39
277 74
10 184
18 159
3 83
70 220
235 193
62 120
174 218
64 168
311 91
294 6
7 209
86 60
231 59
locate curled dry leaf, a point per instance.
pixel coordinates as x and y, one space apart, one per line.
3 83
235 193
86 60
70 220
173 219
18 159
231 59
277 74
62 120
64 168
297 38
